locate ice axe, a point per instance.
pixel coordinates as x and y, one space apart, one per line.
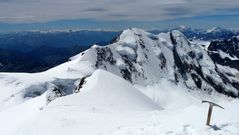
211 104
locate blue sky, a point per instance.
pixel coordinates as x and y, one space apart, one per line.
18 15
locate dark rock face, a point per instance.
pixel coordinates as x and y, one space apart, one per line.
229 47
181 67
163 61
197 80
126 74
54 91
80 85
104 55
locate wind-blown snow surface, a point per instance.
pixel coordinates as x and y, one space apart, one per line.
140 84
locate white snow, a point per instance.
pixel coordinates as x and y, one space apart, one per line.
127 38
124 50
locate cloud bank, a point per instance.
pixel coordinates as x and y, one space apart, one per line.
34 11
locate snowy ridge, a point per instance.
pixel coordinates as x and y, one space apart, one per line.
109 98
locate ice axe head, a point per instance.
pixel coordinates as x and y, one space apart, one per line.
212 104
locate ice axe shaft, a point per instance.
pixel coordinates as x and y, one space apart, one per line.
211 104
209 114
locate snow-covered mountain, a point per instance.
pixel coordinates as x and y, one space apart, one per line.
143 58
139 78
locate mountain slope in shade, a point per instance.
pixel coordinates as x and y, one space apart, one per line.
225 52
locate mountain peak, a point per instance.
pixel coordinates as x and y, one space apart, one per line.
184 27
177 33
215 30
128 36
178 36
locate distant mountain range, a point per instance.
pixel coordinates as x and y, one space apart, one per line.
35 51
215 33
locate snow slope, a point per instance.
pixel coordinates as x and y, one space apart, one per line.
187 121
96 103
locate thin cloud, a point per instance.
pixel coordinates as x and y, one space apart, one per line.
96 10
29 11
176 11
